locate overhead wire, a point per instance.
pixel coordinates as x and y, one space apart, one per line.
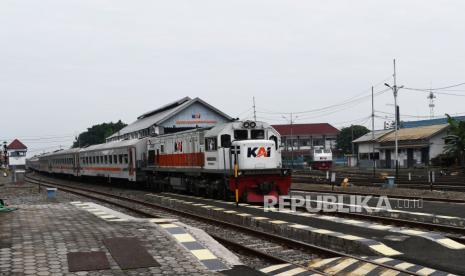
345 102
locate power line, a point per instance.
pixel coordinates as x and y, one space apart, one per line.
435 92
440 88
329 107
345 102
38 138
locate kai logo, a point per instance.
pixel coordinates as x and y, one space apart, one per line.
258 152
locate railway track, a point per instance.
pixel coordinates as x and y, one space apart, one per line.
376 182
270 247
433 199
444 183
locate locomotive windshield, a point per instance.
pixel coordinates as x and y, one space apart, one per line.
241 134
258 134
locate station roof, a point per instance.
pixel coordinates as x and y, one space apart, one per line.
416 133
306 129
114 144
369 137
16 145
437 121
163 113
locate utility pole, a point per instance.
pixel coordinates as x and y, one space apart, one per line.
373 130
352 140
395 89
292 143
254 111
396 122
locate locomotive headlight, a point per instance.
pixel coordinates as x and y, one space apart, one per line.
253 124
246 124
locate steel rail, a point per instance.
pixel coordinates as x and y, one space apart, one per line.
432 199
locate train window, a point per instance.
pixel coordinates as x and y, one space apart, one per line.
93 160
211 144
110 159
275 139
257 134
106 159
120 159
240 134
125 159
226 141
115 159
162 148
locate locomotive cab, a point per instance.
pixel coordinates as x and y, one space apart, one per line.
254 148
255 144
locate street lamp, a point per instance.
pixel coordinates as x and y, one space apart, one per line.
395 89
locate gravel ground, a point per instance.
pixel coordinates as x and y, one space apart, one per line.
381 191
14 194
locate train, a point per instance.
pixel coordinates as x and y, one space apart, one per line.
236 159
322 158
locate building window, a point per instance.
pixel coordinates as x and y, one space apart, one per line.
318 142
125 159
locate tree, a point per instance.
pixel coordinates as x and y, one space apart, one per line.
455 140
347 135
97 134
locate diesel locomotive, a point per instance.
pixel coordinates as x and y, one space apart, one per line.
240 158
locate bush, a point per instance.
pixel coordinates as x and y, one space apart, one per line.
443 160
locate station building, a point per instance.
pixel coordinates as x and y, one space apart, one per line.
16 154
299 140
416 146
180 115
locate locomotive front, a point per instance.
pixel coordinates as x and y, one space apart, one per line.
255 158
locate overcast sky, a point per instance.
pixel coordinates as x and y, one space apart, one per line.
66 65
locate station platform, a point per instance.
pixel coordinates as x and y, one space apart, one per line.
84 238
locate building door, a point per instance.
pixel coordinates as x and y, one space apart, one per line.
425 156
409 158
388 158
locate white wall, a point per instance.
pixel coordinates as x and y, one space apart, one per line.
437 144
16 160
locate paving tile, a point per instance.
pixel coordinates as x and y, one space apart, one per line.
42 235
